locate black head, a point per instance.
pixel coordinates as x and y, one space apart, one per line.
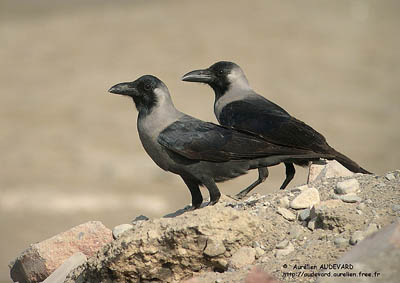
220 76
143 91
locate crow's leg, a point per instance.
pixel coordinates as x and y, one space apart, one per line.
193 186
290 171
213 190
262 175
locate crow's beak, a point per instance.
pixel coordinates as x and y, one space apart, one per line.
202 76
128 89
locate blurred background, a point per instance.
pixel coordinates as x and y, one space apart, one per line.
69 151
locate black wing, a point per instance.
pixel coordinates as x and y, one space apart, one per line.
198 140
272 123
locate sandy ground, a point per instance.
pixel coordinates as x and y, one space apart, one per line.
69 151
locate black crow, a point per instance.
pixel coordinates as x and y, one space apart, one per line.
237 105
201 153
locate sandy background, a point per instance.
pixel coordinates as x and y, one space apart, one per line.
69 151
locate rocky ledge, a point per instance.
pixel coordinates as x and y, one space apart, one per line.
339 225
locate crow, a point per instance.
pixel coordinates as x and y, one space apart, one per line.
238 106
202 153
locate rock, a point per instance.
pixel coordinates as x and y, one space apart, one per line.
118 230
173 249
287 214
390 176
59 275
284 252
282 245
371 229
259 252
340 242
304 215
361 206
347 186
37 262
396 207
306 199
312 224
284 202
140 218
299 189
331 169
350 198
378 255
214 248
331 215
295 231
242 257
357 237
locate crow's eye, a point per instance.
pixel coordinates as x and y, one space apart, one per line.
147 87
220 72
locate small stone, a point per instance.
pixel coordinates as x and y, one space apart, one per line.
284 252
282 245
396 207
299 189
372 228
287 214
214 248
340 242
140 218
306 199
312 224
331 169
295 231
304 215
357 237
347 186
242 257
118 230
350 198
284 202
368 201
361 206
259 252
359 212
390 176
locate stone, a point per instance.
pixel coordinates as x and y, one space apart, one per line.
361 206
347 186
396 207
59 275
304 214
287 214
390 176
340 242
299 189
282 245
295 231
140 218
312 224
357 237
284 252
306 199
37 262
350 198
331 169
120 229
284 202
242 257
371 229
214 248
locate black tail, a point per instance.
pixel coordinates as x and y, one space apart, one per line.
348 163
